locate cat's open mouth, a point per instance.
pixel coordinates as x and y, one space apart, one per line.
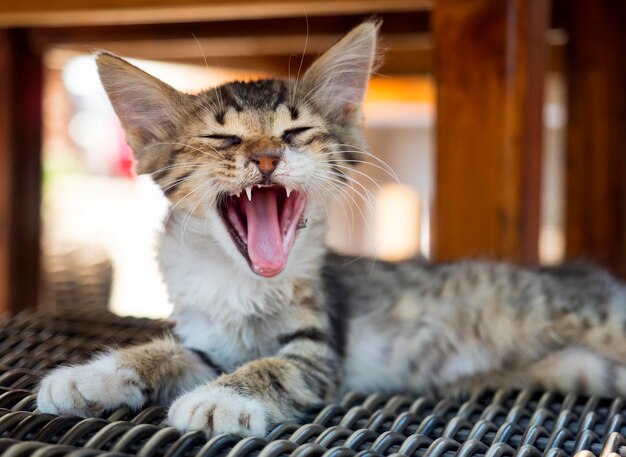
263 221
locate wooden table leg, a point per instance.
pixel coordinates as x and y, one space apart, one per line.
596 133
489 67
20 171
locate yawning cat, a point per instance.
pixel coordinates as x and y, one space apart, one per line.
268 321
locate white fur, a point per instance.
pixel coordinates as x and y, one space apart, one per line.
230 412
220 305
86 390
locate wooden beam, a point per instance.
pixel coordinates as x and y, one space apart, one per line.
596 133
268 45
20 171
489 65
230 31
96 12
405 54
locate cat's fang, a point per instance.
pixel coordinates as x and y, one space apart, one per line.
263 225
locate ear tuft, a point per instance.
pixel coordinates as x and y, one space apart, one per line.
337 81
149 109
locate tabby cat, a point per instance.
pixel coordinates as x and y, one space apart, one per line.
269 322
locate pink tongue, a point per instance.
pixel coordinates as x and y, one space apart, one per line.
265 242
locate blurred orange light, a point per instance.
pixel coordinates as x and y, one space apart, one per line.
397 222
401 89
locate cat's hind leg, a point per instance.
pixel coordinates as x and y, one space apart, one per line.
155 371
579 369
574 369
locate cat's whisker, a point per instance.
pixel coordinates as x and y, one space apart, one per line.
178 181
213 203
385 167
317 196
349 182
218 90
166 143
368 201
304 100
357 150
364 163
343 204
218 156
173 207
336 193
289 75
380 161
352 170
306 43
221 156
312 92
170 184
352 180
214 104
175 166
209 186
204 189
346 191
206 105
342 185
206 64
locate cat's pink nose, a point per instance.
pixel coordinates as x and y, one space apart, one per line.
266 163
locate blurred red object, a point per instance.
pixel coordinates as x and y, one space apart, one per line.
123 165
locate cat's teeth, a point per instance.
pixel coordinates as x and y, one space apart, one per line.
288 190
249 193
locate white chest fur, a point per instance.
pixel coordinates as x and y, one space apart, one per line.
220 305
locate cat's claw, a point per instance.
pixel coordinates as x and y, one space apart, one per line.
218 410
88 390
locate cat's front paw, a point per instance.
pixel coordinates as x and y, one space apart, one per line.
219 410
88 390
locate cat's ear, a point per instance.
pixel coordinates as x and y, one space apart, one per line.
149 110
337 81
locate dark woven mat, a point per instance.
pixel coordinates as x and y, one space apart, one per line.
487 423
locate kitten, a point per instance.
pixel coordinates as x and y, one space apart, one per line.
269 322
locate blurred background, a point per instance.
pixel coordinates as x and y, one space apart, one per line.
470 120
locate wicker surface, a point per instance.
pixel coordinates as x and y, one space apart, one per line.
488 423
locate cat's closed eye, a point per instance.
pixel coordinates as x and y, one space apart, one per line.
222 141
291 135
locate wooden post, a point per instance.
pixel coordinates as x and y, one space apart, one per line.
596 133
20 171
489 66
